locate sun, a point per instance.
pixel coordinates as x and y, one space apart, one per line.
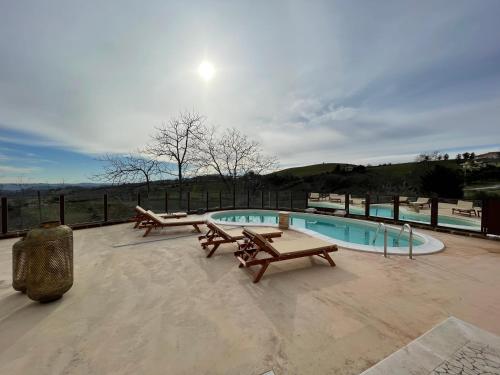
206 70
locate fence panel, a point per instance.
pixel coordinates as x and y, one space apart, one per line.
84 207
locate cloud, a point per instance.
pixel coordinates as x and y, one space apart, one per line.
322 81
6 169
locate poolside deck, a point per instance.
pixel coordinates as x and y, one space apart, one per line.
156 305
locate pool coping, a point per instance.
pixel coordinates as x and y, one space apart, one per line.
431 245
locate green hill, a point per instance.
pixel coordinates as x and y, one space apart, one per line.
314 169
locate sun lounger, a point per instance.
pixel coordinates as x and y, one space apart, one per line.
335 198
217 236
358 201
464 208
140 215
280 249
314 196
421 203
154 222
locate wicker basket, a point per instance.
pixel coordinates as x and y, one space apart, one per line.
49 266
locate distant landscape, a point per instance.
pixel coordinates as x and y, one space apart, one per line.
448 179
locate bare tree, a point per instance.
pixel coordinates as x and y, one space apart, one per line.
128 169
177 142
232 155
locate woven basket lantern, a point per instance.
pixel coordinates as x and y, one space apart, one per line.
49 252
19 266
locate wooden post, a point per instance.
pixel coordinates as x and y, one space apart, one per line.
347 196
395 202
248 198
138 198
207 200
188 201
4 214
39 197
367 205
434 211
484 216
61 208
262 199
105 203
220 199
277 199
166 201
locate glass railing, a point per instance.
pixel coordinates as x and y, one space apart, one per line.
28 209
460 214
381 206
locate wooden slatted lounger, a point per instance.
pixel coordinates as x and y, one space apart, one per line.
281 249
154 221
141 216
464 208
421 203
217 236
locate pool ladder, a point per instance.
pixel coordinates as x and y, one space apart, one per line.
384 228
410 239
381 225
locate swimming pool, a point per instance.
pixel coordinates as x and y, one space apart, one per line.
386 211
349 233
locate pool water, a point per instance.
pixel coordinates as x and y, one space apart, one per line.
387 212
353 231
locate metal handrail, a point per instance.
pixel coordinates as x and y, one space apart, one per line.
410 239
381 225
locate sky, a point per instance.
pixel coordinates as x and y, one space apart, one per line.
313 81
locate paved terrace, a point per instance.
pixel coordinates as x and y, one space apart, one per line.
157 306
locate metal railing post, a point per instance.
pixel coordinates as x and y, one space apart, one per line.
166 201
220 199
395 201
277 199
434 211
262 199
347 197
138 198
367 205
105 206
234 198
248 198
207 200
61 208
39 198
188 201
307 200
4 215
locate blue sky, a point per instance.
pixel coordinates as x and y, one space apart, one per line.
323 81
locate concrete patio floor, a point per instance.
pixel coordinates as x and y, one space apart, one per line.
156 305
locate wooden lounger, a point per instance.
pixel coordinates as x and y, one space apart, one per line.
154 221
421 203
217 236
314 196
281 249
464 208
140 215
335 198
